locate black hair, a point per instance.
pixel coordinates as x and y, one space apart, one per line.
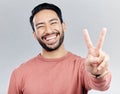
43 6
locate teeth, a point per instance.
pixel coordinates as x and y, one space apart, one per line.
49 38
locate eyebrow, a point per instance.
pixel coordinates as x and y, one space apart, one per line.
41 23
54 19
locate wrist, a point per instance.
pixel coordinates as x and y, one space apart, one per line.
96 75
100 75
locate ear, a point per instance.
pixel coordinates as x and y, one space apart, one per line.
64 26
34 34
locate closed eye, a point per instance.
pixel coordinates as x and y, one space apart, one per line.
39 27
53 22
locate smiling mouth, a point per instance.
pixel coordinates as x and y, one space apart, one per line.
49 37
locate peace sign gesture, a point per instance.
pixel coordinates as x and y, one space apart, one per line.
97 61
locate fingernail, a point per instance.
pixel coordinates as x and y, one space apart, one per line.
105 29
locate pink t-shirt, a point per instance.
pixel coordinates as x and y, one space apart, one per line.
65 75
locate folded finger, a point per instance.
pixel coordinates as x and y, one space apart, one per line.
104 63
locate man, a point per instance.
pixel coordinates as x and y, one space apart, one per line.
56 70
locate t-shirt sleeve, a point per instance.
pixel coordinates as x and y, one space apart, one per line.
91 82
13 84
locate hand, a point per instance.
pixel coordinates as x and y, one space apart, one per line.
97 61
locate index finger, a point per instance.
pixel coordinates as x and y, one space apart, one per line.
87 39
101 38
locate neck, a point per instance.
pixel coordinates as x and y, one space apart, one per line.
60 52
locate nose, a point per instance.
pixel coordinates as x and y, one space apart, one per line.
48 29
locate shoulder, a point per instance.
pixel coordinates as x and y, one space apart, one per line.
26 66
75 56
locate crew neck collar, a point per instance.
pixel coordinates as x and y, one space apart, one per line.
54 59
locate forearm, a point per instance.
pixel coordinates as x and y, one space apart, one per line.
101 84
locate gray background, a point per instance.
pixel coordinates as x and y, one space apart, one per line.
17 44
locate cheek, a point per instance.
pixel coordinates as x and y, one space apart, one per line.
55 27
38 35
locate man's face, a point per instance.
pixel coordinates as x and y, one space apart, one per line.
48 30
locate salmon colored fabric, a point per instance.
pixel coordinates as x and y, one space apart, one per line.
65 75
